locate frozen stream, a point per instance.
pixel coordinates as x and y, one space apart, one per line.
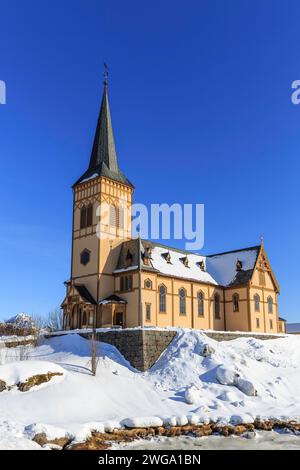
270 440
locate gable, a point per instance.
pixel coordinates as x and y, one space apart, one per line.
263 275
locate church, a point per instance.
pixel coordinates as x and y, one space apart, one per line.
125 282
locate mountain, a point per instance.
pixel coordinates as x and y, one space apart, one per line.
21 320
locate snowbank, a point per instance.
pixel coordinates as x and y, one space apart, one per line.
182 387
17 372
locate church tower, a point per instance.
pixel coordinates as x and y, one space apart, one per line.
102 199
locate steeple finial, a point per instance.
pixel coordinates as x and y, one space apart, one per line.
105 73
262 240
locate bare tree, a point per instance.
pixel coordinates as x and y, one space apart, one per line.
55 321
94 353
38 326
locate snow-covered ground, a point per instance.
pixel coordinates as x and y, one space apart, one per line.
259 378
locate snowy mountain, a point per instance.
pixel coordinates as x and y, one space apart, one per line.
21 320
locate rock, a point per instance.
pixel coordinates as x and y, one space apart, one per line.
42 440
2 385
226 376
249 435
36 380
240 429
246 386
91 444
207 350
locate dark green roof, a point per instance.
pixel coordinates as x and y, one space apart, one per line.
103 161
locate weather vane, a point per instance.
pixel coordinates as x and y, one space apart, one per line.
105 72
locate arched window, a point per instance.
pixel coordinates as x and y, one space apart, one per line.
112 216
83 217
148 284
200 304
126 283
121 217
217 306
235 301
162 298
257 303
89 215
121 283
270 304
182 301
84 319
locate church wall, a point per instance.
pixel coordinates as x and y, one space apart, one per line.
237 321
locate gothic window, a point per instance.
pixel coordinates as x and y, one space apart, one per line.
148 284
84 318
162 299
148 312
270 304
182 301
271 324
126 283
217 306
85 257
257 303
257 323
200 304
235 301
89 215
121 217
83 217
112 216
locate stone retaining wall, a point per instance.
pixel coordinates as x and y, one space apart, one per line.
142 348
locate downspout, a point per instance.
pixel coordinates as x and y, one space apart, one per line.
140 283
225 325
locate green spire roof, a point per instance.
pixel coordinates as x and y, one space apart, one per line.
103 161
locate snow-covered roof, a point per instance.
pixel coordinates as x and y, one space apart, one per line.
176 266
219 269
223 266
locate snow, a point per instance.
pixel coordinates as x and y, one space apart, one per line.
21 320
223 267
182 387
17 372
177 268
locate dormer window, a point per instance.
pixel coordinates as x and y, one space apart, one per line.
147 255
201 265
185 261
239 265
129 258
167 257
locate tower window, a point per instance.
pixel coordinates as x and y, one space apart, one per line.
148 284
271 324
112 216
217 306
89 215
126 283
182 302
83 217
85 257
86 216
162 299
235 301
121 217
257 323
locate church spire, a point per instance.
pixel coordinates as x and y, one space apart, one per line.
103 160
104 149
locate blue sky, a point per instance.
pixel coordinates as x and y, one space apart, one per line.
200 99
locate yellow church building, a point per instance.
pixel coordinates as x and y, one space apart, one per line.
122 281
